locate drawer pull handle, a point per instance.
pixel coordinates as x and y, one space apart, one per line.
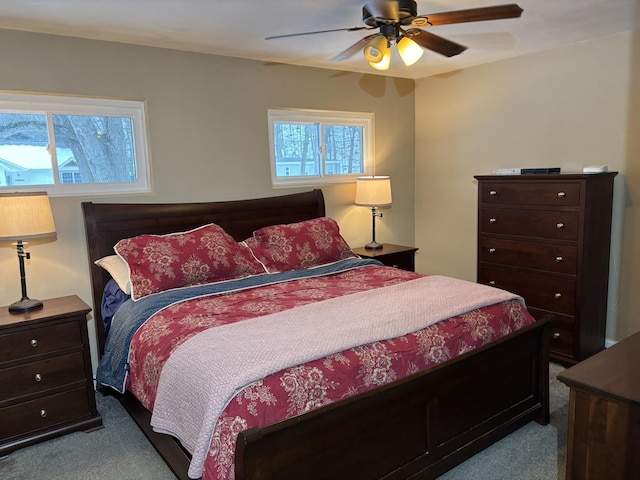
34 342
492 250
556 335
559 225
559 259
493 193
43 413
557 296
492 282
492 220
561 194
38 377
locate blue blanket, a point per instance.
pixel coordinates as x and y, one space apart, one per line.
130 316
112 298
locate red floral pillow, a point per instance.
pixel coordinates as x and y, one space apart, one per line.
205 254
294 246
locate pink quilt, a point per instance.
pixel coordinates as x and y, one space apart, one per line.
295 390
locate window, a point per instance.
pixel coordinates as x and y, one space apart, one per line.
72 146
311 147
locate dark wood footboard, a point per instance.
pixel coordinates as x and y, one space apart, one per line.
418 427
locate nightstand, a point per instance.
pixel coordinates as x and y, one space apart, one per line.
45 374
398 256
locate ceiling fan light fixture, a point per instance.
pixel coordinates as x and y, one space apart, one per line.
410 52
384 63
377 48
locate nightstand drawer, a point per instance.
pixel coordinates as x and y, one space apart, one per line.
398 256
36 341
29 417
554 294
531 193
35 377
560 225
538 256
400 260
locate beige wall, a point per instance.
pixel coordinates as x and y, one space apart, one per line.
568 107
207 119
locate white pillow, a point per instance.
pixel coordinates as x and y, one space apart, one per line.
118 269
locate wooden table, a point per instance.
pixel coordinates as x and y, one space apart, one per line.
604 414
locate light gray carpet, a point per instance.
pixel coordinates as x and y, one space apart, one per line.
120 451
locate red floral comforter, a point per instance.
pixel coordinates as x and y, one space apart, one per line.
299 389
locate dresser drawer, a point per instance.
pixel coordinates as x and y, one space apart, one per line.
561 337
35 377
539 291
530 223
538 256
36 341
29 417
531 193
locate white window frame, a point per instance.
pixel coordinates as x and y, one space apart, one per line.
324 117
17 102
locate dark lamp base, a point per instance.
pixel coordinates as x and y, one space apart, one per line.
373 246
25 305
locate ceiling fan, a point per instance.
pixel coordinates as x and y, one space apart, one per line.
397 21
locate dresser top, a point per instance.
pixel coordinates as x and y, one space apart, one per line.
613 372
546 176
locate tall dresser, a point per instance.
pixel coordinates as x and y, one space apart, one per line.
547 238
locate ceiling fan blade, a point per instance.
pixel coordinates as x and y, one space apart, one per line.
385 10
359 45
471 15
434 42
352 29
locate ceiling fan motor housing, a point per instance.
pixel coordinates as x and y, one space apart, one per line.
407 10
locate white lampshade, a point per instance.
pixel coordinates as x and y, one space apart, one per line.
25 216
384 63
377 48
409 51
373 191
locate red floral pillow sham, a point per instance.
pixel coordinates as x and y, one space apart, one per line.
205 254
294 246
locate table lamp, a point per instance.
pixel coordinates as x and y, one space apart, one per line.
25 216
374 192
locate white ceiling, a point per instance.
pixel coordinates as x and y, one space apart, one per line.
238 28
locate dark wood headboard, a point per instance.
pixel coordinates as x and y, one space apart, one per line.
107 223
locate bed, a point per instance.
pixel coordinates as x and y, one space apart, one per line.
416 426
